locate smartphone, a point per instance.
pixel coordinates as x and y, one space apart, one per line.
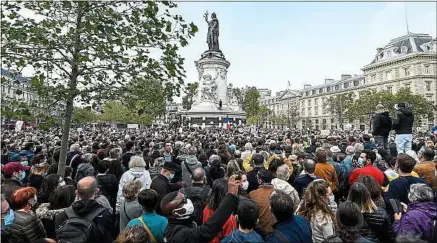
396 205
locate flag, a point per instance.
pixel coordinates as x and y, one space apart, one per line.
228 125
289 84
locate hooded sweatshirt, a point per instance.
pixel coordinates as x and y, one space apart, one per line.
237 236
287 188
136 173
418 220
403 124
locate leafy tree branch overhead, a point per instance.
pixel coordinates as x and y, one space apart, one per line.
92 49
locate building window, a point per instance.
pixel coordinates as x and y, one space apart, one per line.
373 78
313 92
428 86
390 89
408 86
429 98
307 93
337 87
427 69
309 111
388 75
309 102
356 82
407 71
332 120
320 90
303 112
328 89
380 76
346 85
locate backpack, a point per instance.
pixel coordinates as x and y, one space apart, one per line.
76 229
197 201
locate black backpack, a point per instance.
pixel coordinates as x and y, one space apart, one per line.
76 229
197 200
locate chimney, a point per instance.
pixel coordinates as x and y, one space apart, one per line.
328 80
345 76
306 86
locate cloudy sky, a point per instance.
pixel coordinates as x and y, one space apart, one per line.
269 43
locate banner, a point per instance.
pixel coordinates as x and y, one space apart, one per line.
132 126
19 125
325 132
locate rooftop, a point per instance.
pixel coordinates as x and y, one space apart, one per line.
410 43
14 75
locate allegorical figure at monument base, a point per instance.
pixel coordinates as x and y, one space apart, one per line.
213 32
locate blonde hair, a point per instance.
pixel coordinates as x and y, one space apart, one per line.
131 190
137 161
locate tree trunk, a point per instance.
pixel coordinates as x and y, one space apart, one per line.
65 136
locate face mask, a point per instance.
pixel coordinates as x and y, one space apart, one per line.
9 218
22 175
170 177
189 209
62 183
24 163
360 161
245 185
331 199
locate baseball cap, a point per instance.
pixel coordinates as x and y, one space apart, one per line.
12 167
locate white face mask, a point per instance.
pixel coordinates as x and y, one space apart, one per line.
189 210
245 185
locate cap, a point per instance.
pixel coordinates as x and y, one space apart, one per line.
171 166
12 167
335 149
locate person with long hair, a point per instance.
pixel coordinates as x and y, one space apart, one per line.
219 190
349 220
377 227
374 190
49 184
61 198
314 207
26 227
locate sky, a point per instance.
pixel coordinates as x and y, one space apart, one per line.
269 43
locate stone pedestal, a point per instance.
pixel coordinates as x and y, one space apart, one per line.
212 69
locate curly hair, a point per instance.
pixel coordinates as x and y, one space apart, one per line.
313 201
135 234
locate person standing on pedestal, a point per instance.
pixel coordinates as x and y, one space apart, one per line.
381 124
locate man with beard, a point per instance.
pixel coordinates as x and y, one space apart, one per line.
381 124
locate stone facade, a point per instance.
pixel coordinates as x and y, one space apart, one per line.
407 61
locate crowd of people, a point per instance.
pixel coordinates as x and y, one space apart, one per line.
212 185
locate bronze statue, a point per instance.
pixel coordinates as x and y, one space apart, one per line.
213 32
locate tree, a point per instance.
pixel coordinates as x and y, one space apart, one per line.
93 48
338 104
238 93
16 109
292 115
251 103
83 115
190 92
365 106
145 98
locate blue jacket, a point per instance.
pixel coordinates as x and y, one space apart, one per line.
296 230
237 236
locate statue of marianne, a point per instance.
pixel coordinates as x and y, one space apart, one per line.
213 32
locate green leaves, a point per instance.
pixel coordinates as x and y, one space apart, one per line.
190 91
368 100
337 104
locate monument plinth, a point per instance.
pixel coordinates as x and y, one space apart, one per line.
212 103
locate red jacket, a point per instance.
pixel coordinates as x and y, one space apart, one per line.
368 170
230 225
